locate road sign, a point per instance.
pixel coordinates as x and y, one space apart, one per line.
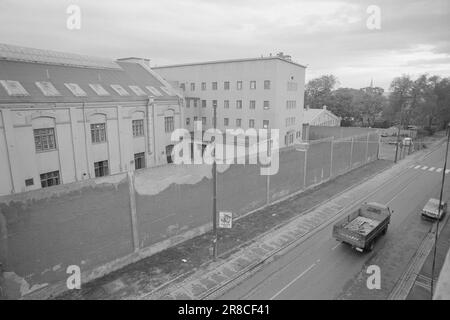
225 219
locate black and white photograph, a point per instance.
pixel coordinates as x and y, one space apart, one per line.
216 157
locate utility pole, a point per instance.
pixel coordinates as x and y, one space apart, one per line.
214 178
398 142
439 211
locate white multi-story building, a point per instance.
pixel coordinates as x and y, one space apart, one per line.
266 92
65 118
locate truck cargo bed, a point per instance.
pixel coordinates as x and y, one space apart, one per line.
362 225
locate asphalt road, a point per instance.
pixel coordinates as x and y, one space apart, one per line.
322 268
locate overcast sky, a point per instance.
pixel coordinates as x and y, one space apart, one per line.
327 36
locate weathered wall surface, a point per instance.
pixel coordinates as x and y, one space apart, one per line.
85 224
102 224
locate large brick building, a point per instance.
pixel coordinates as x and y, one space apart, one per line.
66 117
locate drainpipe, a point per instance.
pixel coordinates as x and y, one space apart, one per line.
86 141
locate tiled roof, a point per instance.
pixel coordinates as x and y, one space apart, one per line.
34 69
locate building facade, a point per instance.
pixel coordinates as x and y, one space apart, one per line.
321 117
66 118
250 93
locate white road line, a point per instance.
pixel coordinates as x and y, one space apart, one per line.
439 170
431 169
424 168
336 246
289 284
417 167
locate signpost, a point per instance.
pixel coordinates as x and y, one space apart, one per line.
225 220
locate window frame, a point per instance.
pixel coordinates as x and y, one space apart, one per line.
102 138
50 139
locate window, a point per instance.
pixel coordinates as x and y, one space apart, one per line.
98 132
14 88
44 139
204 121
203 103
75 89
239 85
252 85
195 103
120 90
266 105
251 123
265 124
139 160
252 104
29 182
226 104
292 86
155 91
168 124
238 104
138 128
266 84
203 86
101 168
47 88
238 122
214 85
195 118
226 85
50 179
290 121
99 90
192 86
226 121
137 90
291 104
183 87
188 121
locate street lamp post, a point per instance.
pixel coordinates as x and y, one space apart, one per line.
439 210
214 178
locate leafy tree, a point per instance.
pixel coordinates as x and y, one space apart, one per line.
318 90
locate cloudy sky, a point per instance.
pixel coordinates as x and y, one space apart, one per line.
327 36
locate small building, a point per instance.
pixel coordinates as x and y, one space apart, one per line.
321 117
67 117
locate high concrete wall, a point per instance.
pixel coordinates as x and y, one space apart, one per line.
103 224
322 132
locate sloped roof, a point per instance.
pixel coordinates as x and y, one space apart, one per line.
28 66
311 114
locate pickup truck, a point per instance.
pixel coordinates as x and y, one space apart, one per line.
362 227
430 211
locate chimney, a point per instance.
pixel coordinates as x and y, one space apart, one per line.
136 60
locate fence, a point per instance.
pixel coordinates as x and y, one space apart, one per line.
103 224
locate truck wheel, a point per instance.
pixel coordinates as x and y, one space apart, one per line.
370 247
384 231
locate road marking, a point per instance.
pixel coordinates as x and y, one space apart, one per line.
431 169
447 171
438 169
336 246
290 283
424 168
417 167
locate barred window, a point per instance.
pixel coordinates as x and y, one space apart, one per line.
266 105
101 168
238 122
214 85
139 160
44 139
226 85
253 85
266 84
50 179
252 104
98 132
138 128
168 124
239 85
238 104
203 86
251 123
226 104
192 86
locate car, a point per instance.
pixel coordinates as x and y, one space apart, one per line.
430 210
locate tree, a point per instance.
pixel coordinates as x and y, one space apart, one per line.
370 104
318 91
400 100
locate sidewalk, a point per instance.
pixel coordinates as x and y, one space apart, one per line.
186 271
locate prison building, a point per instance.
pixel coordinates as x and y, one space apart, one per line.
67 117
266 92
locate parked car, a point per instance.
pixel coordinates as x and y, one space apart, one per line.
430 211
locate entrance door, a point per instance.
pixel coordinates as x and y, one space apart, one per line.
169 149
